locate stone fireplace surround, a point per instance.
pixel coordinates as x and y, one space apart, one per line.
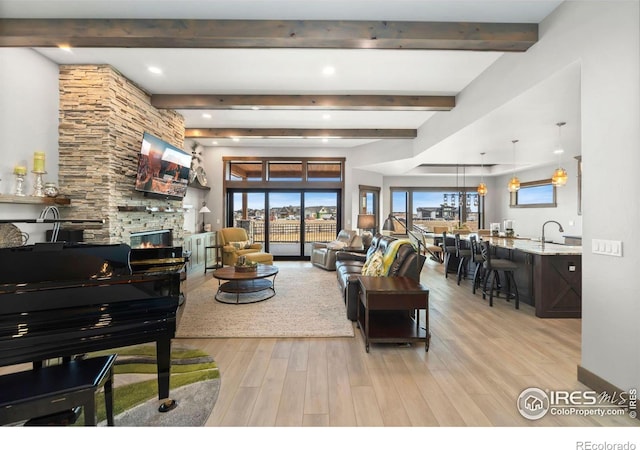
102 117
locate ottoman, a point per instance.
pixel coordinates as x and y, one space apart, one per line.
259 257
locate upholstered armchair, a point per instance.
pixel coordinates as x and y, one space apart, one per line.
235 242
323 254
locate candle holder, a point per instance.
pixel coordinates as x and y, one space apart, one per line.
38 184
19 185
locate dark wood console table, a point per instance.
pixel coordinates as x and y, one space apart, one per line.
389 310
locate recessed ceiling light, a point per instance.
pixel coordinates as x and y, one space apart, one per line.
328 70
325 140
206 115
235 139
214 142
558 151
155 70
255 108
326 116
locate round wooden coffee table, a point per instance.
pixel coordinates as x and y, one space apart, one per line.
255 286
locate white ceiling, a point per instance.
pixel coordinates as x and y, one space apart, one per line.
299 71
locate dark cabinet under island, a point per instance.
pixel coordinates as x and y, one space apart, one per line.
549 276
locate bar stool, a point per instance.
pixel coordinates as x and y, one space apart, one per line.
449 248
492 267
478 260
463 252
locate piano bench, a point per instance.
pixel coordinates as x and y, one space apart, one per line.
48 390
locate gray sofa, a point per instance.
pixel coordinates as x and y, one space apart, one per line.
323 254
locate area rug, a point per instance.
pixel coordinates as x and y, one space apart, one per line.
194 385
308 303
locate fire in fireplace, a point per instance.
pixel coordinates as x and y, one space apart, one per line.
152 239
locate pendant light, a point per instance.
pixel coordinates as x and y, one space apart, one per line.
560 176
454 195
514 182
482 188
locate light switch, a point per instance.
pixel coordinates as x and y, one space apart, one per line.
616 248
606 247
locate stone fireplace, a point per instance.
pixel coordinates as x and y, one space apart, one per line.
102 119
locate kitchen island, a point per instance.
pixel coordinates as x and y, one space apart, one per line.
549 276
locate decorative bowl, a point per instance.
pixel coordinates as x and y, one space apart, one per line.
246 268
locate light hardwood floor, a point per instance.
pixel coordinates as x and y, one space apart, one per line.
480 360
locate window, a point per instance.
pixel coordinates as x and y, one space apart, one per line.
324 171
257 172
399 201
285 171
245 171
432 207
534 194
369 203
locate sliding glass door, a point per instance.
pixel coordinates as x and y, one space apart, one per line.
284 233
320 218
286 222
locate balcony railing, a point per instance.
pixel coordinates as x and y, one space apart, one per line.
287 231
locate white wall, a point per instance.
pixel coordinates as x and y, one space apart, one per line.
611 139
366 178
28 123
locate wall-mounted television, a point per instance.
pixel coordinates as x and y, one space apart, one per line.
163 170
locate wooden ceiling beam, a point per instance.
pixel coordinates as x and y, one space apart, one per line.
301 102
188 33
284 133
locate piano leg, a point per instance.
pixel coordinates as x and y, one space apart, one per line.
163 352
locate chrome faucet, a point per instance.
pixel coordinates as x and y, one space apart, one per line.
550 221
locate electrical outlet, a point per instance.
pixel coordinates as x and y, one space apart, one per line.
606 247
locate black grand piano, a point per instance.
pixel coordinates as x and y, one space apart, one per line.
60 300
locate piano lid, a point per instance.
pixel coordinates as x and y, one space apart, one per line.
58 261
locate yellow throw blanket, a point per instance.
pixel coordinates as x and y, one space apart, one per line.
390 254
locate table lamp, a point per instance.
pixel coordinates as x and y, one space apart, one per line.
202 211
366 222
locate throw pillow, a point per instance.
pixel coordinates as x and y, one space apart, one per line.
373 266
239 245
336 245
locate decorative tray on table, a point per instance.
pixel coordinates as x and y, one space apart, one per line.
246 268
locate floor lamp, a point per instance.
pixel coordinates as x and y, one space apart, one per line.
388 226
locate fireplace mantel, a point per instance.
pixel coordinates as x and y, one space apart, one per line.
29 200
